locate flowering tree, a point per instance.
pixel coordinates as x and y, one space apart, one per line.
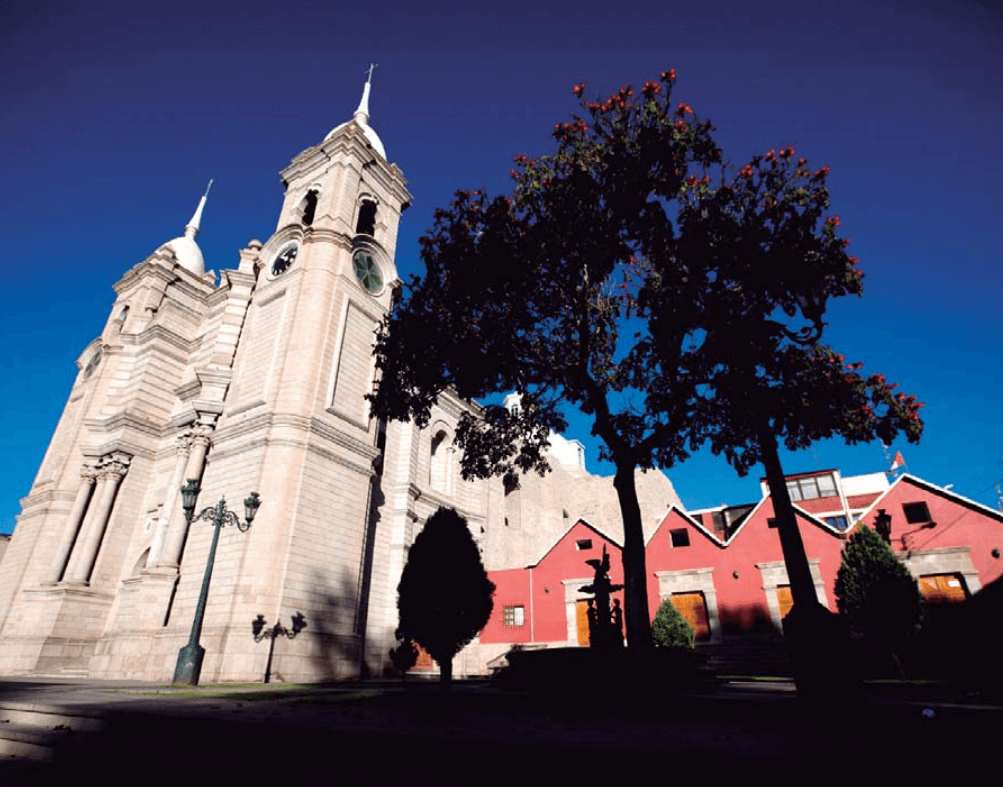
537 292
635 276
756 251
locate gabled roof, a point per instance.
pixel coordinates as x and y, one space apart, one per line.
708 533
906 478
567 530
798 511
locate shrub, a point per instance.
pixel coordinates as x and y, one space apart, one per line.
670 629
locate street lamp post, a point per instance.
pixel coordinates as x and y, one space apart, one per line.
189 665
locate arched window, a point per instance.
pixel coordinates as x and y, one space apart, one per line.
367 218
440 466
309 208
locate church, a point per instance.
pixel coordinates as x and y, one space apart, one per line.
255 381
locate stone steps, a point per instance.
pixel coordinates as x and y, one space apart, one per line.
32 732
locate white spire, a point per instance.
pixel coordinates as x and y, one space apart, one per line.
192 227
361 118
362 113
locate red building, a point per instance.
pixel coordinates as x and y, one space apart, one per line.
724 569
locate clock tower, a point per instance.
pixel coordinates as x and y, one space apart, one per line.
295 423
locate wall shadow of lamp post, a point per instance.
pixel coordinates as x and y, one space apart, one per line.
278 630
189 666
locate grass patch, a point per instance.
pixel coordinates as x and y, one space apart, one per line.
295 694
757 678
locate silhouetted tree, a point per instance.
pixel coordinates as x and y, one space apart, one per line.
444 597
878 596
650 297
535 293
670 629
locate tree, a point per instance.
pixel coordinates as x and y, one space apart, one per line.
877 595
670 629
444 597
755 251
536 293
652 298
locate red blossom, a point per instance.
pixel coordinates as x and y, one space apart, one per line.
746 171
684 109
651 88
579 88
669 76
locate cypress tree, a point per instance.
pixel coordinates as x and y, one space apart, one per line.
877 595
670 629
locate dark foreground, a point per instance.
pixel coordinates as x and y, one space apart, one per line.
379 733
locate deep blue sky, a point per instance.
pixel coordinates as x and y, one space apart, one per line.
115 115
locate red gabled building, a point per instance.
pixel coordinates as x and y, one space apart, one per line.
723 568
540 603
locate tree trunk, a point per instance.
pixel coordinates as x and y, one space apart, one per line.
795 558
446 673
635 580
820 654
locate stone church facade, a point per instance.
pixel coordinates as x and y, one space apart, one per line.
256 382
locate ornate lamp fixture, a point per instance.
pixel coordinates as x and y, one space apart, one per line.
189 666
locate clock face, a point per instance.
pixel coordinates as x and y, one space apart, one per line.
284 259
368 271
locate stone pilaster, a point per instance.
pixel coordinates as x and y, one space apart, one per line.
177 526
110 475
171 502
88 477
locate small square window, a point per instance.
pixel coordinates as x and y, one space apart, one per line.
771 522
680 538
514 616
916 513
585 543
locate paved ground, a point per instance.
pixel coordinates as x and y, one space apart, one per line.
380 733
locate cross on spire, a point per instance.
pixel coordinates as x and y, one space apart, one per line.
369 72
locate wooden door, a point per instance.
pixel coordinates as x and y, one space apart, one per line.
942 588
424 660
693 607
785 599
582 622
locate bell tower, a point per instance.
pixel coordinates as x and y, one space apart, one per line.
295 423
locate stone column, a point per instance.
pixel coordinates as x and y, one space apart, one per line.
171 502
178 527
85 552
88 475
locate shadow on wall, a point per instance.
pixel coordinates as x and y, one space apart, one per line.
962 641
748 620
330 642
